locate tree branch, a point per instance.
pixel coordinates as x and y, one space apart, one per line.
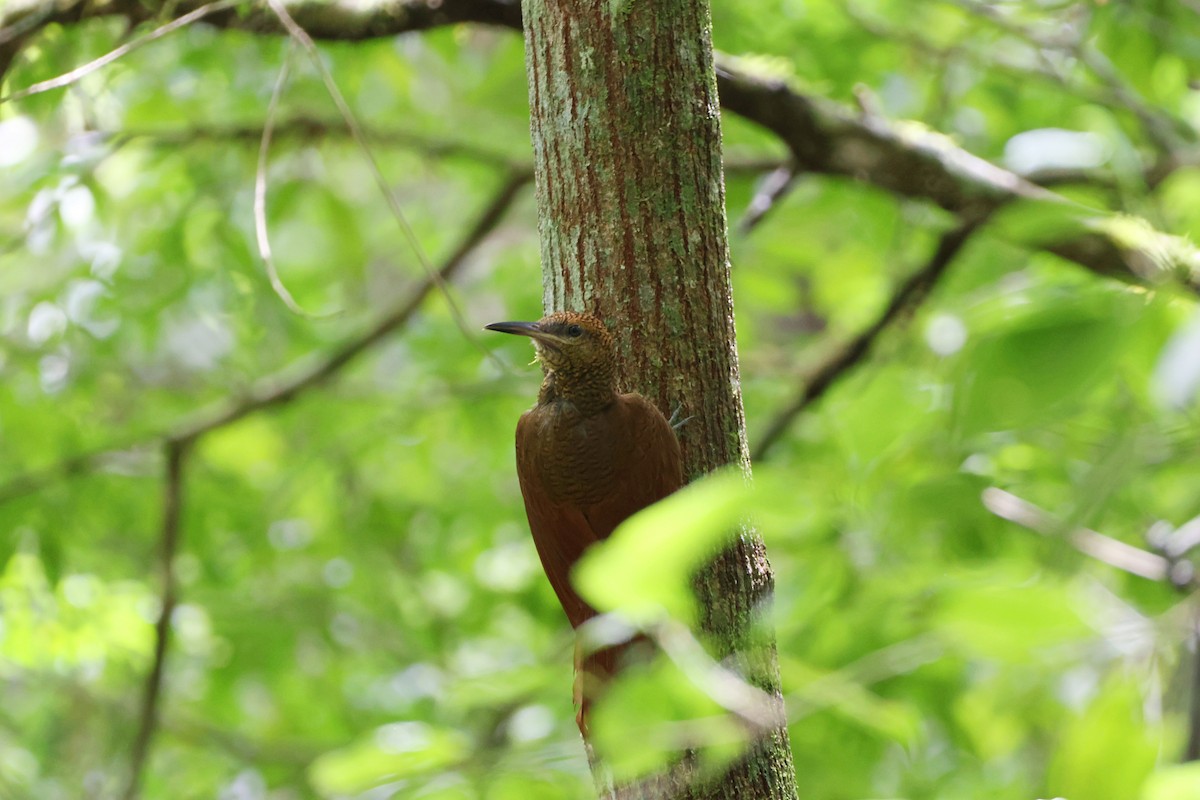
175 453
771 190
1106 549
908 296
337 21
287 384
1162 129
824 137
1021 67
311 128
910 161
1172 566
84 70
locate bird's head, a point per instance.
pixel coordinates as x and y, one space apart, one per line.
567 342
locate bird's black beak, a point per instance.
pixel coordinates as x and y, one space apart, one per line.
531 329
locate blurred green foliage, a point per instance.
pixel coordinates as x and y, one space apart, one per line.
361 610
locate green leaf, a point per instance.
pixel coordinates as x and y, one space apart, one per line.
651 715
1106 752
1176 782
850 699
1034 222
1026 372
251 448
1014 622
396 751
644 569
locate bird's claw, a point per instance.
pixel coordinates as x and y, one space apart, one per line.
675 422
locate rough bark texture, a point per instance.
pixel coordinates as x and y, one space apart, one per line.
627 150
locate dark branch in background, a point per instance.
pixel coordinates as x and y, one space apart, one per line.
1108 89
910 295
286 385
306 128
773 188
81 464
324 20
823 136
909 162
312 129
83 70
174 453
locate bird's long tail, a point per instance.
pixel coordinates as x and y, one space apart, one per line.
595 672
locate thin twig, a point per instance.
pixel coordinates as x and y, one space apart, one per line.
83 71
175 453
1171 567
773 188
301 36
261 235
35 19
83 463
824 137
910 294
1113 552
825 691
1162 129
758 710
308 127
296 379
283 388
879 665
989 58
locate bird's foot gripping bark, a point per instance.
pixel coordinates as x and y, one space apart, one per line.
675 421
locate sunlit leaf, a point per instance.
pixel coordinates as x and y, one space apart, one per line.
1179 782
393 752
1107 751
644 569
1012 622
652 715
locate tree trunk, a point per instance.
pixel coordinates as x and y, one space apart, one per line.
631 209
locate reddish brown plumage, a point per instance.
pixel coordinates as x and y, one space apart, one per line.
588 457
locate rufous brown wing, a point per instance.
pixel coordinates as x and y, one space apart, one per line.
588 458
581 478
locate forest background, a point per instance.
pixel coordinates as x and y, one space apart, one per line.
306 459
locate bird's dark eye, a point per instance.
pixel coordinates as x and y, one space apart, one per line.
574 331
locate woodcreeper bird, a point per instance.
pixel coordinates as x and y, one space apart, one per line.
588 457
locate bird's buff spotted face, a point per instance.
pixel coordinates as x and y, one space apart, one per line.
565 341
